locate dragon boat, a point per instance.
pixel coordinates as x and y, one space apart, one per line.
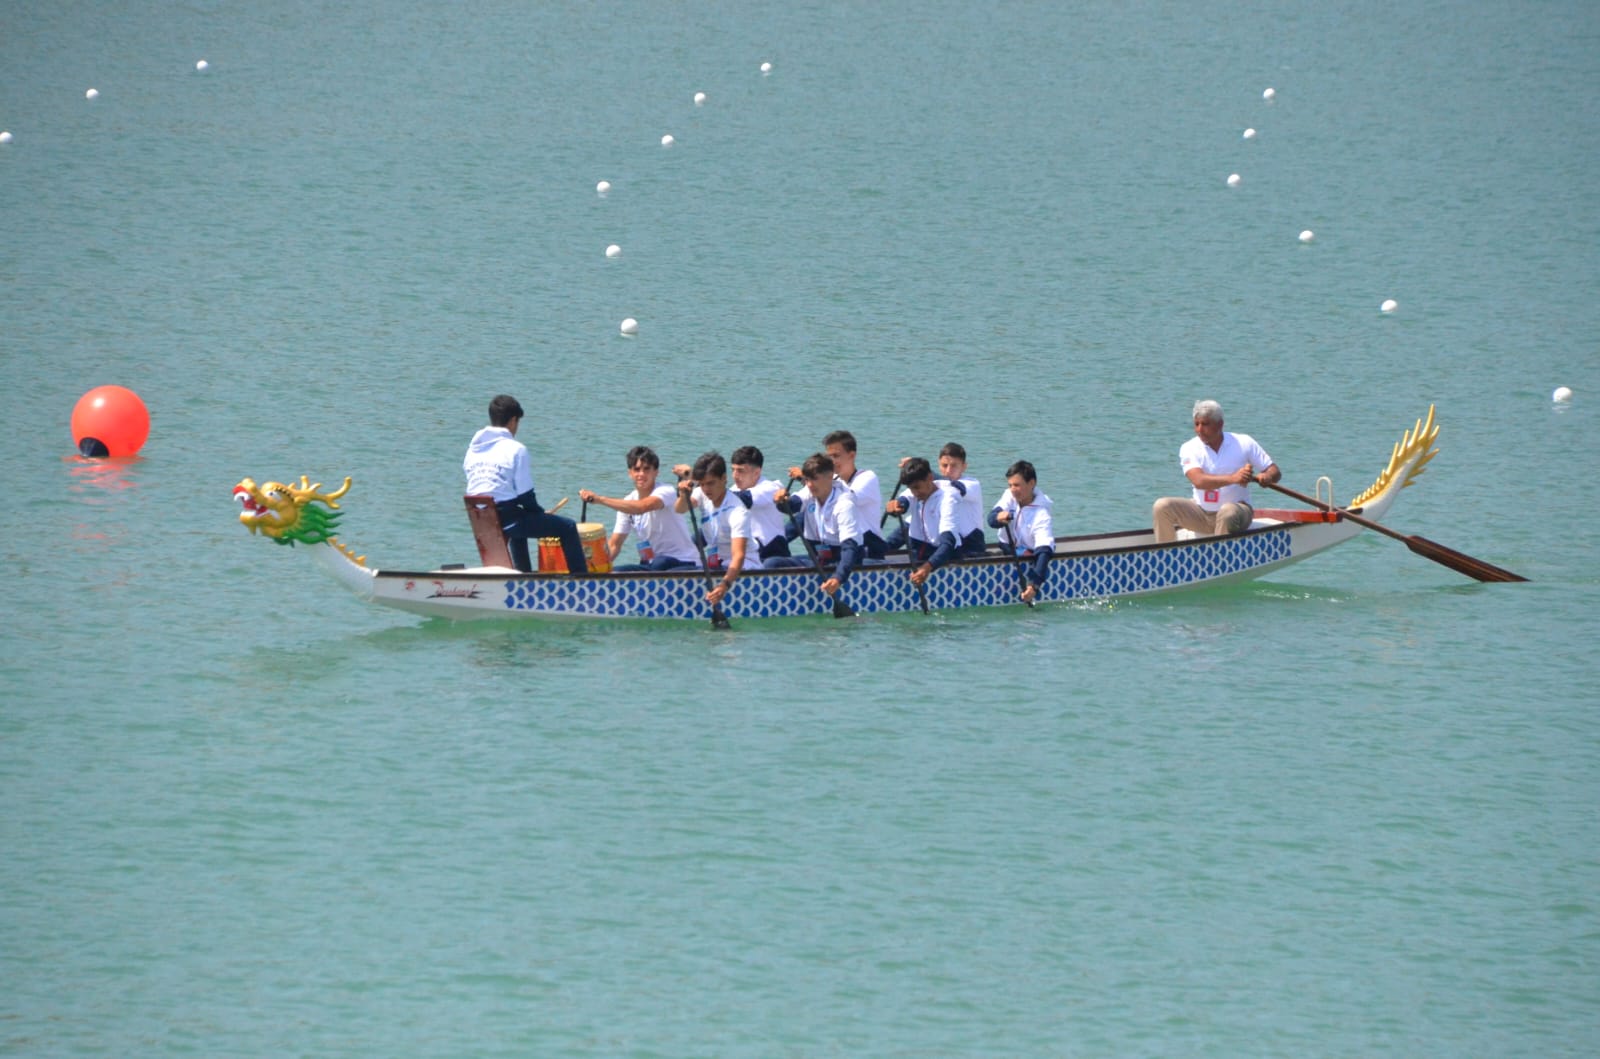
1093 567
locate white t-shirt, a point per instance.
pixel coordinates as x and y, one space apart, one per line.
935 515
766 521
834 520
868 496
720 526
909 511
1034 524
659 532
1235 451
969 508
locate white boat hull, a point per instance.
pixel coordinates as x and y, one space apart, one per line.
1101 567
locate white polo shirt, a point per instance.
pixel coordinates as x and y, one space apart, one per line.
1235 451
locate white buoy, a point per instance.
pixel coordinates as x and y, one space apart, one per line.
1307 235
630 326
766 68
5 137
1249 134
93 93
1389 305
613 250
1562 395
699 99
1270 94
603 187
667 140
202 66
1233 180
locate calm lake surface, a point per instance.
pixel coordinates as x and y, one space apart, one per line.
1349 810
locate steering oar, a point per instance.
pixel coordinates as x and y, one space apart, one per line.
1457 561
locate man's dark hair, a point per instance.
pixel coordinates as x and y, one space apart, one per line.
817 464
953 449
643 454
711 465
841 437
503 409
748 455
916 469
1024 468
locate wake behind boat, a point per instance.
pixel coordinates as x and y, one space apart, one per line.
1095 566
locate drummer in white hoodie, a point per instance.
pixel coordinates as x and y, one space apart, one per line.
497 464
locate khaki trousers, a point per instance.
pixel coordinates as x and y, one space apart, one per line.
1171 512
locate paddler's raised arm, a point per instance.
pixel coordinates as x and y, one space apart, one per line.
627 507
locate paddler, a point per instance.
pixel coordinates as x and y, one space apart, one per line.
865 489
931 519
828 522
968 499
725 522
1024 517
647 514
757 493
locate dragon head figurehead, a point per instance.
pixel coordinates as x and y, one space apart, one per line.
290 513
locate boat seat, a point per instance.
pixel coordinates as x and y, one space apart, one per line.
486 530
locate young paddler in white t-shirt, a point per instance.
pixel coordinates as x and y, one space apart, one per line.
647 514
1025 517
756 493
828 513
725 522
969 511
840 447
931 519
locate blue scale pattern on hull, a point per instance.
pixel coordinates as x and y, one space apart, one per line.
887 589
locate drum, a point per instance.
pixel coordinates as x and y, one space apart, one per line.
592 535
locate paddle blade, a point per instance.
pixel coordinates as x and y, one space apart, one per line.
719 620
841 609
1464 564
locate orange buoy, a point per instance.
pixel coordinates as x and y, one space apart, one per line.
110 421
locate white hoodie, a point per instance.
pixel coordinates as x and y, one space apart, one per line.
497 464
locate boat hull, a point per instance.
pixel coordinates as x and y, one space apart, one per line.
1107 566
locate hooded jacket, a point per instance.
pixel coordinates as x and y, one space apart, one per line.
497 463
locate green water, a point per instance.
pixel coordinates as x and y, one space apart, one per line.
1350 810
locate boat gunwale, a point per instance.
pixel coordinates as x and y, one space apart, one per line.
893 561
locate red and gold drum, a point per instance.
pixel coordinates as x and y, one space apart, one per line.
592 535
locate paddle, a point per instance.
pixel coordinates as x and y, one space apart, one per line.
1463 564
841 609
719 620
894 495
1022 563
922 593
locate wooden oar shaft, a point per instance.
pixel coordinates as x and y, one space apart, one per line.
1457 561
1357 519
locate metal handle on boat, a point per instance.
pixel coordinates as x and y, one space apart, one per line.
1318 494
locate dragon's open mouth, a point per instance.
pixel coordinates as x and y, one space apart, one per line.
248 502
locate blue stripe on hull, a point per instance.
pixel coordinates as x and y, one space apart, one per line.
887 588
